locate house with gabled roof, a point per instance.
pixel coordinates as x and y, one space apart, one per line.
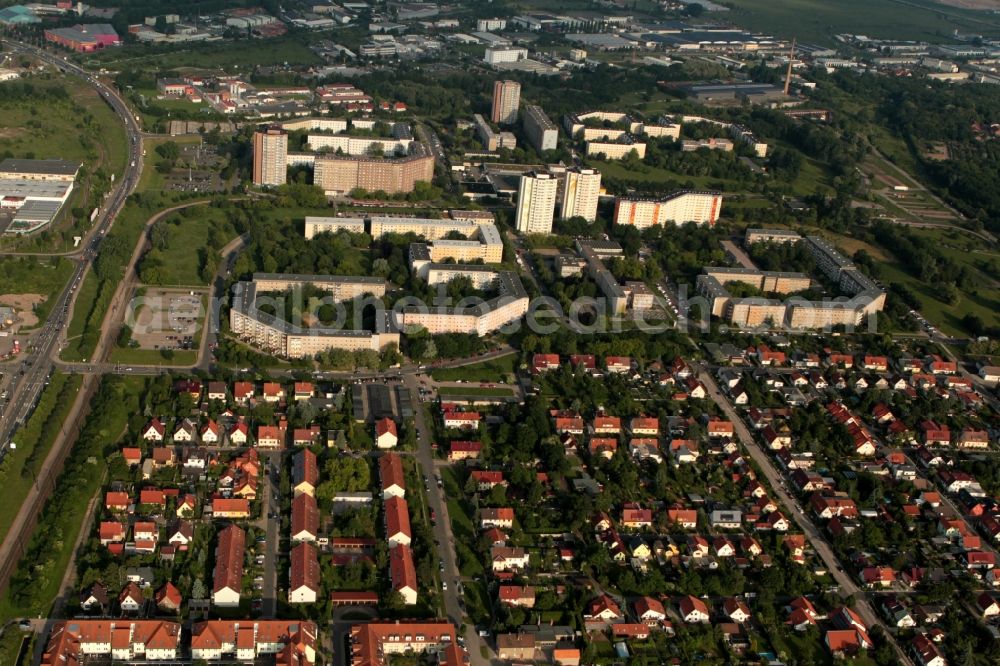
693 610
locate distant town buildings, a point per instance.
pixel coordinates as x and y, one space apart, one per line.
270 156
536 202
504 54
506 100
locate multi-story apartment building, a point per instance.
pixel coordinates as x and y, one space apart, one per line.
481 318
581 190
373 643
359 145
543 134
275 335
536 202
616 149
489 25
506 100
504 54
270 156
770 236
319 225
74 641
492 140
293 642
676 208
339 174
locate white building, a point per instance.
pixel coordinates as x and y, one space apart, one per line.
504 54
536 203
581 190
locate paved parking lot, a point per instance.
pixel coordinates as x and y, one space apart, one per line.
167 319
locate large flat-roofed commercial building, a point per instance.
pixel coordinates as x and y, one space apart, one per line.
770 236
506 100
542 133
35 190
275 335
270 156
676 208
58 170
581 191
536 203
85 37
481 319
339 174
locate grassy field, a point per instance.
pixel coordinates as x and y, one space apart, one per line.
228 55
491 370
34 439
962 248
10 646
152 180
34 275
819 21
79 127
180 258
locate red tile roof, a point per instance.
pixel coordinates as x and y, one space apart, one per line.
229 559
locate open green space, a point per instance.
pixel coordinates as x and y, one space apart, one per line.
484 391
492 370
62 118
820 21
151 179
21 465
983 301
35 275
36 581
10 646
230 55
185 247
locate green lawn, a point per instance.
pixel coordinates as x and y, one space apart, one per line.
492 370
33 275
33 440
819 20
187 237
10 646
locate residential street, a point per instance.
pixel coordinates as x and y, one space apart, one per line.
442 530
819 543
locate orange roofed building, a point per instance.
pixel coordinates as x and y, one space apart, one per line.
293 641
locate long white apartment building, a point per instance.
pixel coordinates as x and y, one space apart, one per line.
480 318
275 335
358 145
536 203
677 208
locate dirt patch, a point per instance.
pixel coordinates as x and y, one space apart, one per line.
24 304
10 132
